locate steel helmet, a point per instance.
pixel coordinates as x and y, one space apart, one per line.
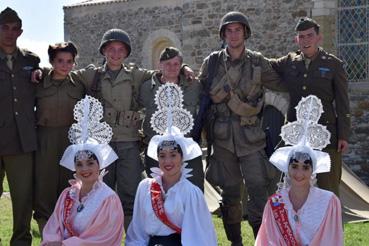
234 17
115 35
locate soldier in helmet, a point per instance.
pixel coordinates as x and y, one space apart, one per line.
312 70
235 78
116 85
17 123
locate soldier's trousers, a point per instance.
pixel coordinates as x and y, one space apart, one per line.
124 175
196 165
50 177
257 174
331 181
19 172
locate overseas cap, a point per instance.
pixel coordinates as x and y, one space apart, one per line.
8 15
306 23
169 53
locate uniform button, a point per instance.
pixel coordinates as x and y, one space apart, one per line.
15 100
14 87
305 75
304 87
12 75
16 113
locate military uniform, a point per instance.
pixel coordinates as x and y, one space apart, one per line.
325 77
191 98
239 141
119 96
18 137
55 100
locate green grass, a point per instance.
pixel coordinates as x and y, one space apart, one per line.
355 234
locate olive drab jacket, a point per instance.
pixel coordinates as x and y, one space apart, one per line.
55 101
237 93
17 101
119 97
326 78
191 98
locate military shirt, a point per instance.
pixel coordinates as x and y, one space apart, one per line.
191 98
119 97
17 101
325 78
255 73
55 100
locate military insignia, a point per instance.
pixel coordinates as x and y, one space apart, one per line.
28 68
323 71
324 57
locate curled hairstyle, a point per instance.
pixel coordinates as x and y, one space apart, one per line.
62 47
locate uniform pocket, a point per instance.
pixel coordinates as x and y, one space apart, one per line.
221 129
253 134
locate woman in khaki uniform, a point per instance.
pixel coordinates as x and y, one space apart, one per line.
55 100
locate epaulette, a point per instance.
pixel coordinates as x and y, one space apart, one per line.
29 53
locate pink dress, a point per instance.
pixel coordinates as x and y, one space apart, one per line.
99 222
317 222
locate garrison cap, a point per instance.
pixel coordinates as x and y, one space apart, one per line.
169 53
306 23
8 15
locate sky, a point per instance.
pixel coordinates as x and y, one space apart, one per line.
43 23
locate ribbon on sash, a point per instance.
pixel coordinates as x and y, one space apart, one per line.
68 205
281 217
158 206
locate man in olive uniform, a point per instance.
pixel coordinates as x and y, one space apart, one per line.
235 77
117 85
311 70
17 123
170 64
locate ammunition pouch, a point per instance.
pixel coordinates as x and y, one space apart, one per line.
122 118
220 92
243 108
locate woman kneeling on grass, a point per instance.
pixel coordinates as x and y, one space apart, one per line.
300 214
88 212
169 210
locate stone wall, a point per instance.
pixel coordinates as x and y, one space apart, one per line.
192 26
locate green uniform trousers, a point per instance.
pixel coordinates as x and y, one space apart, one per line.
50 177
124 175
19 172
331 181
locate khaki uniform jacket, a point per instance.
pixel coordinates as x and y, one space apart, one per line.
325 78
119 97
230 131
17 101
191 99
55 101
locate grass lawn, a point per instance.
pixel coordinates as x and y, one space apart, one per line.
355 234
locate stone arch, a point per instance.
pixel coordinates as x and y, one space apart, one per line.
155 43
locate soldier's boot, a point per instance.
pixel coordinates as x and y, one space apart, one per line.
232 216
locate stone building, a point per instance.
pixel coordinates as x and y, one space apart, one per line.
192 26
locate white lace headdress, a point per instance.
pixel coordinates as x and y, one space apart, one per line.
171 121
89 135
305 135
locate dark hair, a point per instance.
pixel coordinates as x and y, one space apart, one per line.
170 143
301 156
90 154
69 47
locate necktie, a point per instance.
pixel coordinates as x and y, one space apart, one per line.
307 63
9 61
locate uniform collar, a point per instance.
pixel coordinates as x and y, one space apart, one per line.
155 80
15 53
48 80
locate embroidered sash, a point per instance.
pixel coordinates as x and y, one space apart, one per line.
281 218
158 206
68 205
